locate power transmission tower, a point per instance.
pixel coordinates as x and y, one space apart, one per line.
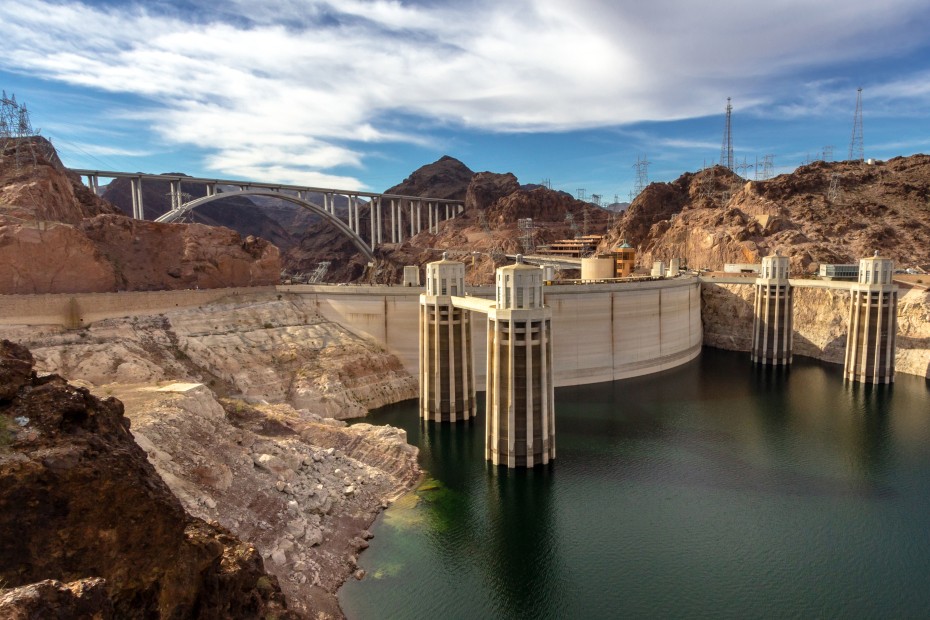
833 193
742 168
596 199
547 183
707 181
14 128
828 153
642 174
526 227
726 149
581 193
584 222
768 167
570 218
856 147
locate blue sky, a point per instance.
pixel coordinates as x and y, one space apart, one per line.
356 94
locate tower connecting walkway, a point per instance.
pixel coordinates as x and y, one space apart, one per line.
351 222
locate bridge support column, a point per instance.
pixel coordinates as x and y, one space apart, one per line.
393 221
429 217
211 190
447 371
447 211
175 189
358 228
92 183
773 325
135 187
419 216
380 228
412 229
873 323
371 225
520 424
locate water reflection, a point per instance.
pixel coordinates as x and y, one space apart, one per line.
716 489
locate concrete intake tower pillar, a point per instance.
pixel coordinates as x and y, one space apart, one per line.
873 323
520 428
447 372
773 326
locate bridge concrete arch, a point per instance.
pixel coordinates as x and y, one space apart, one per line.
344 228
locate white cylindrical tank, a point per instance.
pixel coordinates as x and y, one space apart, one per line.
597 268
673 267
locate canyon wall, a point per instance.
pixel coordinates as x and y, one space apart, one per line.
821 320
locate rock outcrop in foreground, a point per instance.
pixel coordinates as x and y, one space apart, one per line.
302 487
87 527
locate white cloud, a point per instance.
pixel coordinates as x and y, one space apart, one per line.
291 87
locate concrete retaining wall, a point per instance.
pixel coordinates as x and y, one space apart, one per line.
75 310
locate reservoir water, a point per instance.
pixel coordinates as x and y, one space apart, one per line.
717 489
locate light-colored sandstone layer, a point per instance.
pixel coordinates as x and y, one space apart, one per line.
821 320
301 488
260 349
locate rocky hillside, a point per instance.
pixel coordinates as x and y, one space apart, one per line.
824 212
299 485
91 530
58 237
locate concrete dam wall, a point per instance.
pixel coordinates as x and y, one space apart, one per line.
599 332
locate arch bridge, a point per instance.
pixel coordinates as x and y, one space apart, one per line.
349 223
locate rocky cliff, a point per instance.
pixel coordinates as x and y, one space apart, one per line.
303 489
80 505
58 237
299 485
824 212
821 320
259 348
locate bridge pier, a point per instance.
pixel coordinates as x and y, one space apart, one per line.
393 221
135 187
873 323
447 370
211 190
773 328
520 425
429 216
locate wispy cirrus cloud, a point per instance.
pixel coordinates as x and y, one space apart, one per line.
300 87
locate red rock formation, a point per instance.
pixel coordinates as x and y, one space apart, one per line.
486 188
79 499
445 178
57 237
714 217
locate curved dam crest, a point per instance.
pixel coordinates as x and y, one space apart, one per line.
600 332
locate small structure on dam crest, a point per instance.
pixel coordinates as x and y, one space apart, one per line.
520 428
873 323
772 329
447 372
